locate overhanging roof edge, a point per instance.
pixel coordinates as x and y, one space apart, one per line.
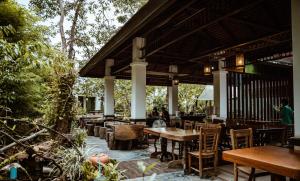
147 12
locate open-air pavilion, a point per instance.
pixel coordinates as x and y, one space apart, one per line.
248 50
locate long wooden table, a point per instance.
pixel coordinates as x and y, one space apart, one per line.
175 134
276 160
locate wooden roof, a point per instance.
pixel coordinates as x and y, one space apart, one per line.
191 33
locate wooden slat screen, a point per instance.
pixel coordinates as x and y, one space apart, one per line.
252 97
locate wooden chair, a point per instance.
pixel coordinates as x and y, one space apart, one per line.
199 125
173 123
208 149
243 138
188 125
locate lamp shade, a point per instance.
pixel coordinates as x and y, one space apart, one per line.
240 60
207 69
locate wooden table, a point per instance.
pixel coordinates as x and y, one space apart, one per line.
175 134
276 160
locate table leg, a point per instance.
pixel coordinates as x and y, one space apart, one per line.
184 158
155 153
165 155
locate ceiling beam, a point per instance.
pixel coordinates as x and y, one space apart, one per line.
253 24
234 45
211 21
170 17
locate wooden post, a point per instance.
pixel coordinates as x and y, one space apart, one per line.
96 131
90 129
102 132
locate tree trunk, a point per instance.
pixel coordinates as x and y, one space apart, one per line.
61 26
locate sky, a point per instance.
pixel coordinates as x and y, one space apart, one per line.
56 39
23 2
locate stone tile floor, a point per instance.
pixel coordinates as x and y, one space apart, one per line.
96 145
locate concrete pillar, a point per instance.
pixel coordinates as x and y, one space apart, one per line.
173 92
173 99
97 103
138 78
220 93
296 62
109 89
84 103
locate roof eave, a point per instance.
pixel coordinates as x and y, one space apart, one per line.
145 14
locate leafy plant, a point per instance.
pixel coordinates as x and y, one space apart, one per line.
70 161
73 163
145 169
79 136
89 172
111 172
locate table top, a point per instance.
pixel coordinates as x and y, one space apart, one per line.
273 159
173 133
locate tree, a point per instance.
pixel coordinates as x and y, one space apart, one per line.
21 58
188 97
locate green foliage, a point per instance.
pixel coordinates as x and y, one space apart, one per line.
60 108
126 8
188 95
111 172
156 97
89 172
79 136
21 80
123 96
70 161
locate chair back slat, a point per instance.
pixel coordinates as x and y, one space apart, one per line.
209 138
241 138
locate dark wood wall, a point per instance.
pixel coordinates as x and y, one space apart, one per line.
252 97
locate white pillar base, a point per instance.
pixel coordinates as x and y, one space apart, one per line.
109 96
138 97
220 93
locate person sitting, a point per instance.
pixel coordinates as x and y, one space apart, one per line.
154 112
165 115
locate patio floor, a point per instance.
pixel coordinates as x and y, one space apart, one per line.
129 158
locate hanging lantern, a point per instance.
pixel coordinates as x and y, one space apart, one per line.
207 69
240 61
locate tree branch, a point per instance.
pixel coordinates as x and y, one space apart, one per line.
23 140
31 149
52 130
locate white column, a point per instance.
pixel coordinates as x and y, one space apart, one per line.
138 78
84 103
220 93
296 62
173 92
109 89
97 103
109 95
173 99
138 98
